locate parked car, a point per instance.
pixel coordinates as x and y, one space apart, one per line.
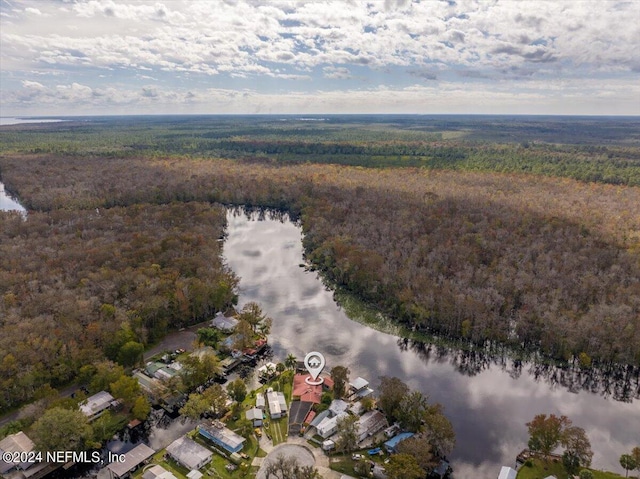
258 432
357 457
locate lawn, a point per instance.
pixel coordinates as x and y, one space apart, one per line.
542 469
278 429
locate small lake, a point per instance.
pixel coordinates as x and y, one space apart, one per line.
7 203
488 402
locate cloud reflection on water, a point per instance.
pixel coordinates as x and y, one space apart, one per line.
488 408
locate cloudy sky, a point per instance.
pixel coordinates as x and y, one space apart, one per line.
297 56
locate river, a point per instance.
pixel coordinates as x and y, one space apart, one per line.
488 406
7 203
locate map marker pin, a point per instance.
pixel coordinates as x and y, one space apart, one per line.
314 362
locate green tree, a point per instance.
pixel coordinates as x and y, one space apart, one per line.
216 397
106 372
104 427
252 313
244 336
195 406
237 390
291 361
127 389
244 427
392 392
628 463
404 466
545 433
340 376
419 447
412 410
130 353
198 369
367 403
585 474
141 408
209 337
439 431
577 446
124 335
264 328
635 453
347 434
61 429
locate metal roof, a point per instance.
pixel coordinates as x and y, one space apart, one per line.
132 459
188 452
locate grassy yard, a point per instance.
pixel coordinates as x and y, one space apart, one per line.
542 469
278 429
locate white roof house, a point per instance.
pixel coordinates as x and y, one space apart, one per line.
94 406
189 453
329 425
277 404
358 383
260 401
132 460
18 442
507 473
224 323
157 472
338 406
255 416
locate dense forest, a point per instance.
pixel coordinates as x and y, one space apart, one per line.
603 150
549 264
79 285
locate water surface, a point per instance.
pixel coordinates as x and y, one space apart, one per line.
488 407
7 203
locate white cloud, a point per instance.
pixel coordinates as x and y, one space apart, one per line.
325 40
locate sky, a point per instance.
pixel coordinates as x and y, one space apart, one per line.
96 57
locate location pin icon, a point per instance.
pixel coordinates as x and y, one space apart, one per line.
314 362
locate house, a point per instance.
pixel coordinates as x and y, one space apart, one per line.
260 403
132 460
224 323
220 435
359 388
392 443
370 423
189 453
148 384
507 473
329 425
18 442
338 406
356 408
304 391
157 370
157 472
277 403
319 418
93 407
255 416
